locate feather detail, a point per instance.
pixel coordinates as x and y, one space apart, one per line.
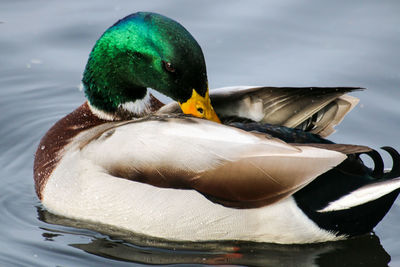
315 109
216 160
342 148
363 195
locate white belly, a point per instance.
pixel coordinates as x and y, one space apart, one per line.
79 189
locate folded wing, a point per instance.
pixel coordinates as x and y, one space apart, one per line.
228 165
313 109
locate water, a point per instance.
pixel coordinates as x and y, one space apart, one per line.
44 47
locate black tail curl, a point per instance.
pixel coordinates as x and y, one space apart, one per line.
378 171
395 171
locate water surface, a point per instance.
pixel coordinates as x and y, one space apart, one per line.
43 50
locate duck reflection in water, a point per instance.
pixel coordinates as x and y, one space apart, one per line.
125 246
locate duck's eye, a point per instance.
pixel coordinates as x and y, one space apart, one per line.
200 110
168 66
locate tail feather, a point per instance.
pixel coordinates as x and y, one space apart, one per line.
385 183
363 195
352 199
357 212
395 171
379 171
378 163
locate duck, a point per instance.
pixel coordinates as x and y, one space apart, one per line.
245 163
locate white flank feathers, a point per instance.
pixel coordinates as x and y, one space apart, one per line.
81 187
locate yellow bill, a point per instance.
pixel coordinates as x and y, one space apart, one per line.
200 107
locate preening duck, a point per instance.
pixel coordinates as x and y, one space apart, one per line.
236 163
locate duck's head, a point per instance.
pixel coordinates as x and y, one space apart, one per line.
147 50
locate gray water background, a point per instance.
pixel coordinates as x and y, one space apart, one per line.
44 46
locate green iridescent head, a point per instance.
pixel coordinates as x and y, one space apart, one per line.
144 50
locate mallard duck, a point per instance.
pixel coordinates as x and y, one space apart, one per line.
237 163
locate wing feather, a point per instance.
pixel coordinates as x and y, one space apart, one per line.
219 161
264 179
315 109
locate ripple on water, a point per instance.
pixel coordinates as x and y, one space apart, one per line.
126 246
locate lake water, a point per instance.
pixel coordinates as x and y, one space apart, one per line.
43 50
